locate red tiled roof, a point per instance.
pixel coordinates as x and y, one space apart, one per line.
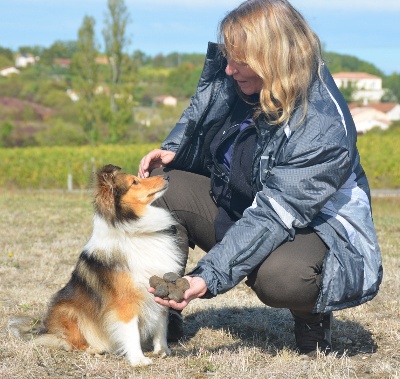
383 107
354 75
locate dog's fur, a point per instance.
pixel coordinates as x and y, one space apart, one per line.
105 306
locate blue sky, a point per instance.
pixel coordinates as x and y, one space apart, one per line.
367 29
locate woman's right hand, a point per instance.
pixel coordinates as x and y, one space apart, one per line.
154 159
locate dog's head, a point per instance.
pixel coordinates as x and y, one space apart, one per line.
121 197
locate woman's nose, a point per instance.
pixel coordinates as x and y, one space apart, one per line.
231 68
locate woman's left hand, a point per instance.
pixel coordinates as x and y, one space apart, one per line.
197 289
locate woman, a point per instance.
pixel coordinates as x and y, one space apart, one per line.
270 137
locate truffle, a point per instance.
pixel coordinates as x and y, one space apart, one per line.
170 287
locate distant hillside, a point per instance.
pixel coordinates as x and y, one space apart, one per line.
17 107
341 62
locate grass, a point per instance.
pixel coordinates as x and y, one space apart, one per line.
231 336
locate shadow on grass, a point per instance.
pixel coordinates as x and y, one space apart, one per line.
271 330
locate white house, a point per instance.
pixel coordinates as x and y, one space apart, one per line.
72 95
168 101
392 110
367 87
24 60
7 71
367 118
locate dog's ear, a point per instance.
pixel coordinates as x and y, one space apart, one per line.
109 169
107 174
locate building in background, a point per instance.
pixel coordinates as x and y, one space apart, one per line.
8 71
367 88
25 60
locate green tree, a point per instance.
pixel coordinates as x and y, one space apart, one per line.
6 57
6 129
342 62
116 42
139 58
348 92
36 50
392 82
86 70
59 49
182 81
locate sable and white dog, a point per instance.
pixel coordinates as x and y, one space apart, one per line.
105 306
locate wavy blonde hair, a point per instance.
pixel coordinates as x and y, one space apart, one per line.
275 41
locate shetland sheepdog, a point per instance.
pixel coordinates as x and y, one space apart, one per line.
105 306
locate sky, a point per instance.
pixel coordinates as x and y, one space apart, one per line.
367 29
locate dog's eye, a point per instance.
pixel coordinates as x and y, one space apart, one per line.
135 181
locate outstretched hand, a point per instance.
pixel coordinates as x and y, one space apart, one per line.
154 159
197 289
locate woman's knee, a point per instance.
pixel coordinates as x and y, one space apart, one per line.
290 277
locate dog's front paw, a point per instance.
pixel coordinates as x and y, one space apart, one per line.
140 361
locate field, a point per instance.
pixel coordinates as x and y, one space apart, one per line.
50 167
231 336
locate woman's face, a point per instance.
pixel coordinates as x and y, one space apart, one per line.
247 80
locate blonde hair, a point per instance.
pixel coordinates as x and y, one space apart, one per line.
275 41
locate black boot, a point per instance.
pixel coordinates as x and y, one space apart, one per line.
175 325
313 332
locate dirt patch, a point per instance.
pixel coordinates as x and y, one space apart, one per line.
18 107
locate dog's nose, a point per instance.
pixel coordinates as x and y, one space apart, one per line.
166 177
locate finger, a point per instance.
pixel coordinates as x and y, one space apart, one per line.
144 166
178 306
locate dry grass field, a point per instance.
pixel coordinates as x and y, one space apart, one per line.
231 336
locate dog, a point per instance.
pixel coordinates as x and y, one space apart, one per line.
105 306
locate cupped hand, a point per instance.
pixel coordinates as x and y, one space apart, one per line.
154 159
197 289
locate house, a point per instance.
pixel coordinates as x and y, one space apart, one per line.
367 87
7 71
168 101
62 62
72 95
25 60
102 60
366 118
392 110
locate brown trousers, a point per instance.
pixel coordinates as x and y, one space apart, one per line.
288 278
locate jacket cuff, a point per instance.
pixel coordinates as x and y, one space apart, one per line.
209 278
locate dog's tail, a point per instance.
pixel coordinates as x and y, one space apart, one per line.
32 329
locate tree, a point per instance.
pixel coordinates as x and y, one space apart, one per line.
140 59
85 67
7 53
116 41
182 81
59 49
342 62
348 92
392 82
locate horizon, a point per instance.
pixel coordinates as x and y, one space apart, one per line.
363 29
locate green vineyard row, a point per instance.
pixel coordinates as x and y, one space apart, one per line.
72 167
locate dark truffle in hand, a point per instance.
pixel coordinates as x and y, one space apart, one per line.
170 277
182 284
155 280
176 295
161 291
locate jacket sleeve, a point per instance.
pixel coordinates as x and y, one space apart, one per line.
214 95
315 166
